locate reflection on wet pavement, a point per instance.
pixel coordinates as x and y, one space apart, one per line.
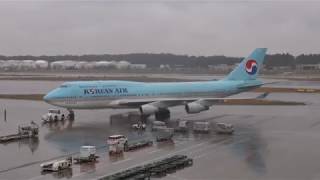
250 147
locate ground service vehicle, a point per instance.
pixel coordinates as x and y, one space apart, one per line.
53 115
158 125
57 165
201 127
116 143
182 126
164 134
87 154
24 131
224 128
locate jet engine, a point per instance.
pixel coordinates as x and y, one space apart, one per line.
195 107
148 109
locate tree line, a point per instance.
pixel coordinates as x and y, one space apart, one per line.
155 60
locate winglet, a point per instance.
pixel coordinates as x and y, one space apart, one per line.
263 95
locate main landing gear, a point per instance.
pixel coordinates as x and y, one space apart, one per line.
70 115
162 114
136 117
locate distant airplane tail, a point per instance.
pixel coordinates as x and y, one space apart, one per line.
249 68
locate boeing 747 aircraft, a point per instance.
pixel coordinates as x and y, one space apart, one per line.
156 98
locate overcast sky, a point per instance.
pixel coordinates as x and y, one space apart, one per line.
232 28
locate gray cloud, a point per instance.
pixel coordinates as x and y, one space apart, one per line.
192 27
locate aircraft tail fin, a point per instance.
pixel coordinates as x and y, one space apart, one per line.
249 67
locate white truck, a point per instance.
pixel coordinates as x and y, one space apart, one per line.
53 115
87 154
116 144
201 127
57 165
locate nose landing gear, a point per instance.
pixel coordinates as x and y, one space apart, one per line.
70 115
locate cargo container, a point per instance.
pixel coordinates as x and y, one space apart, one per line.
201 127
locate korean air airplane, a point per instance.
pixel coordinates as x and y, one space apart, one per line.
157 98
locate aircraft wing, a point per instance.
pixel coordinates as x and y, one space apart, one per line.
170 102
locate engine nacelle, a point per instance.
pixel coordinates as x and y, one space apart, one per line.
148 109
195 107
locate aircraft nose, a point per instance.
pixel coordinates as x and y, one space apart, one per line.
49 96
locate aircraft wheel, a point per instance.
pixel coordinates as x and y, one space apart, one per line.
71 115
143 118
162 114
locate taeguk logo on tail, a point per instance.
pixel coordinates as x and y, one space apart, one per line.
251 67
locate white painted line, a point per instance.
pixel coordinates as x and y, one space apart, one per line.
151 152
181 143
37 177
213 146
209 147
161 157
154 151
158 158
202 155
175 177
119 162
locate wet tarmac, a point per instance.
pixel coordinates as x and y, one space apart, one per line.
270 142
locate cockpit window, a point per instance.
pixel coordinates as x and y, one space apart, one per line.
63 86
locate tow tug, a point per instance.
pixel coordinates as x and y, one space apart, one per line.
55 115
